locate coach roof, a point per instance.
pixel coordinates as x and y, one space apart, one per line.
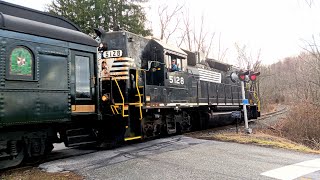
27 26
35 15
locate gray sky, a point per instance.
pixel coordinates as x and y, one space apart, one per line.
277 27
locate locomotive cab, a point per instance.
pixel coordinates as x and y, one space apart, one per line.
170 74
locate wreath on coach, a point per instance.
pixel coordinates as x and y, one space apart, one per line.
21 60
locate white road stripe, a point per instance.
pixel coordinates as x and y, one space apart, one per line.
295 170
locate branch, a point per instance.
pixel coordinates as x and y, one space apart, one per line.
210 44
223 55
174 29
166 18
182 39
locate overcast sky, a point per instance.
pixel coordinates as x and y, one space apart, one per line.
276 26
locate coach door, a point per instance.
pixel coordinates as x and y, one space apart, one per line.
82 83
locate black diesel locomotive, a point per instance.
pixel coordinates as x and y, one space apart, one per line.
141 88
56 87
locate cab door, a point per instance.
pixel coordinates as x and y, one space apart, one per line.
82 83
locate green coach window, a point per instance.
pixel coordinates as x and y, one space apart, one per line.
82 70
21 63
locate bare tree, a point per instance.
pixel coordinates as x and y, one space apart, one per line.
246 60
192 35
311 70
196 38
221 53
187 33
166 19
210 45
310 3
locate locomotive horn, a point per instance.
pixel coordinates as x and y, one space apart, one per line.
99 31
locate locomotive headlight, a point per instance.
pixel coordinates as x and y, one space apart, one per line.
148 98
105 97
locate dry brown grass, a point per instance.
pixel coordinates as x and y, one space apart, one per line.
299 130
32 173
257 138
302 125
269 108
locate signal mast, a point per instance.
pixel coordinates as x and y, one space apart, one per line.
244 76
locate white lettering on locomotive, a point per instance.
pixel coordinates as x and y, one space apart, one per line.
112 53
176 80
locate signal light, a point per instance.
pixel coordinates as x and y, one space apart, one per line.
253 76
242 75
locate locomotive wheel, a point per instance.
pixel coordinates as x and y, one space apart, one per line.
15 161
39 158
48 149
179 129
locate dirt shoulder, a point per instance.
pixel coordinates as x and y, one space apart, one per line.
33 173
256 138
264 133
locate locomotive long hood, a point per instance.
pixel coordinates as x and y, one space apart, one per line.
218 65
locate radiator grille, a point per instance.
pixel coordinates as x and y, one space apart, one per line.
210 76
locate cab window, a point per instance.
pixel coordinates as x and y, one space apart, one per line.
174 63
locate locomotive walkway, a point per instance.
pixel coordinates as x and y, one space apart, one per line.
181 157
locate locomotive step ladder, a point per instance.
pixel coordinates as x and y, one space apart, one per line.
134 126
124 107
139 89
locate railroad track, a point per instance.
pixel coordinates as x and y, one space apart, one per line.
54 155
281 111
271 114
269 124
233 126
71 152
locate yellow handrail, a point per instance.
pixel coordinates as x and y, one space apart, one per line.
111 107
114 109
122 104
139 95
258 100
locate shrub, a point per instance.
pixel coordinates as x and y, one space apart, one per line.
302 125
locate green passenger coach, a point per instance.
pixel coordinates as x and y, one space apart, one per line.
47 81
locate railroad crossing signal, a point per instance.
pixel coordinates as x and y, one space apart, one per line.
253 75
244 76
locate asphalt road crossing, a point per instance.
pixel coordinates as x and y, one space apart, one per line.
181 157
302 169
